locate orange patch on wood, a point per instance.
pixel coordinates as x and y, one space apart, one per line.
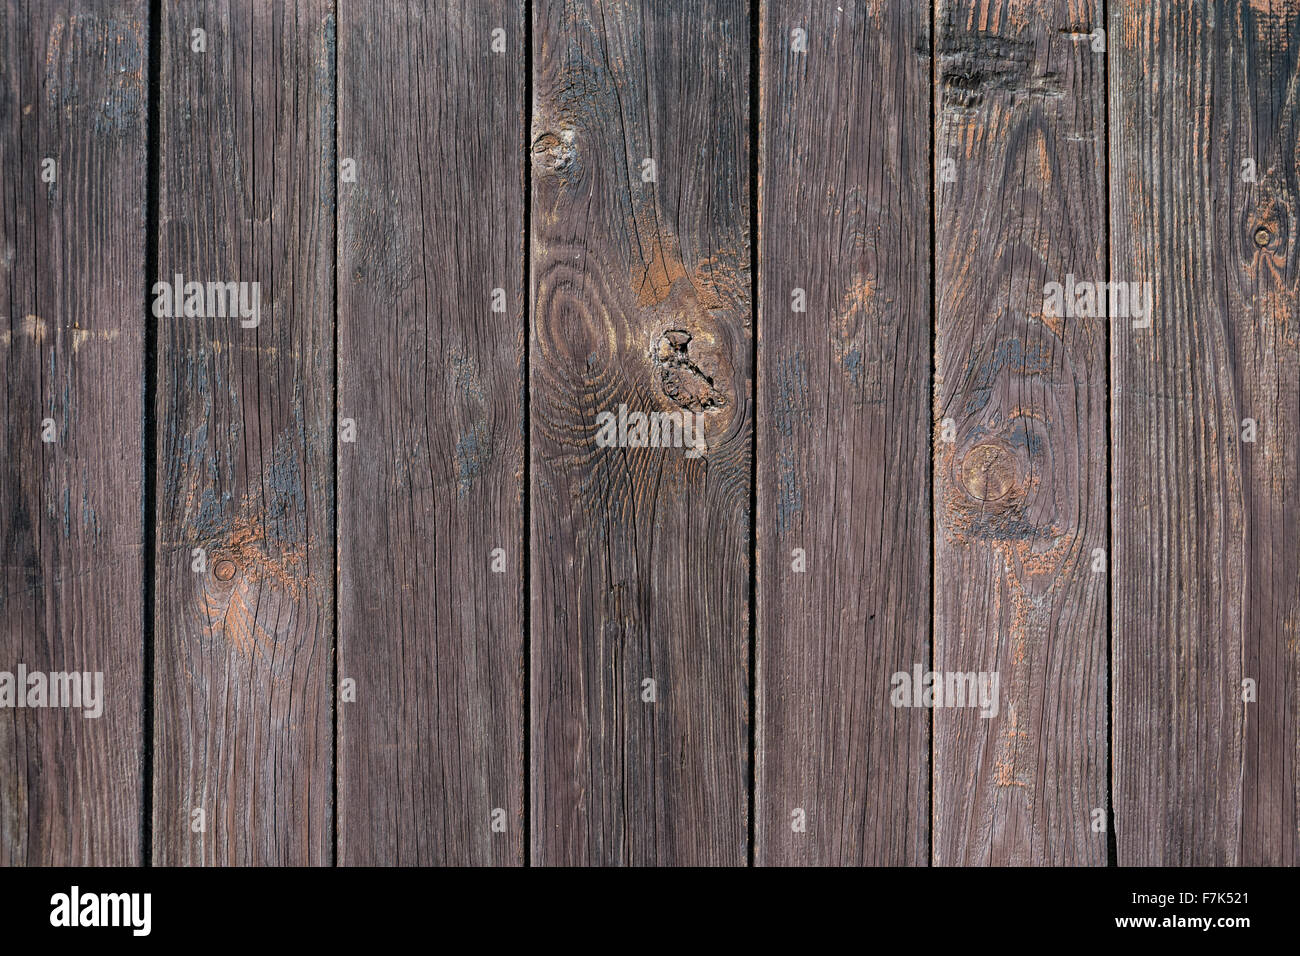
859 294
249 579
654 280
245 547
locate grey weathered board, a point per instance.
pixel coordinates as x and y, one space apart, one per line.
1207 562
429 599
243 671
640 556
843 424
1020 432
72 283
431 378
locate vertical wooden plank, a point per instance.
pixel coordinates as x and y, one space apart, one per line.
1020 491
1207 586
72 90
243 669
843 473
640 555
430 374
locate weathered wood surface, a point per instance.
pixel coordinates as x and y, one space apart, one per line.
243 675
432 378
1207 570
1019 432
456 673
72 283
843 423
640 556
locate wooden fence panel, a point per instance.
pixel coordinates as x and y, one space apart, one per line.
430 451
1020 472
641 300
243 666
843 582
1206 406
73 126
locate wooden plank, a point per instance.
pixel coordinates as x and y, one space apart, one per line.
72 279
1020 491
1207 585
640 555
431 751
243 669
844 396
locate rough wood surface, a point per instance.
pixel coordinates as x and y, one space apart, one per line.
431 376
640 556
1020 489
243 670
72 89
1207 570
542 645
843 473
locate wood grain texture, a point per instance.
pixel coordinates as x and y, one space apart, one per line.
433 484
1020 492
72 251
640 556
937 454
843 472
243 668
1207 575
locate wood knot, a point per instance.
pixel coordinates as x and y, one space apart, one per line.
554 151
988 472
224 570
681 377
1263 237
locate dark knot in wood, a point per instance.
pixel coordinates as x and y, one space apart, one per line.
554 151
684 382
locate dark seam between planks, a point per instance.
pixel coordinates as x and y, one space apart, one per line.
934 344
1112 843
755 146
333 54
526 491
149 518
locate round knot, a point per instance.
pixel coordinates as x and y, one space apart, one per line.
988 472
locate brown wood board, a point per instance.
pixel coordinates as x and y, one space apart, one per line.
378 579
73 92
